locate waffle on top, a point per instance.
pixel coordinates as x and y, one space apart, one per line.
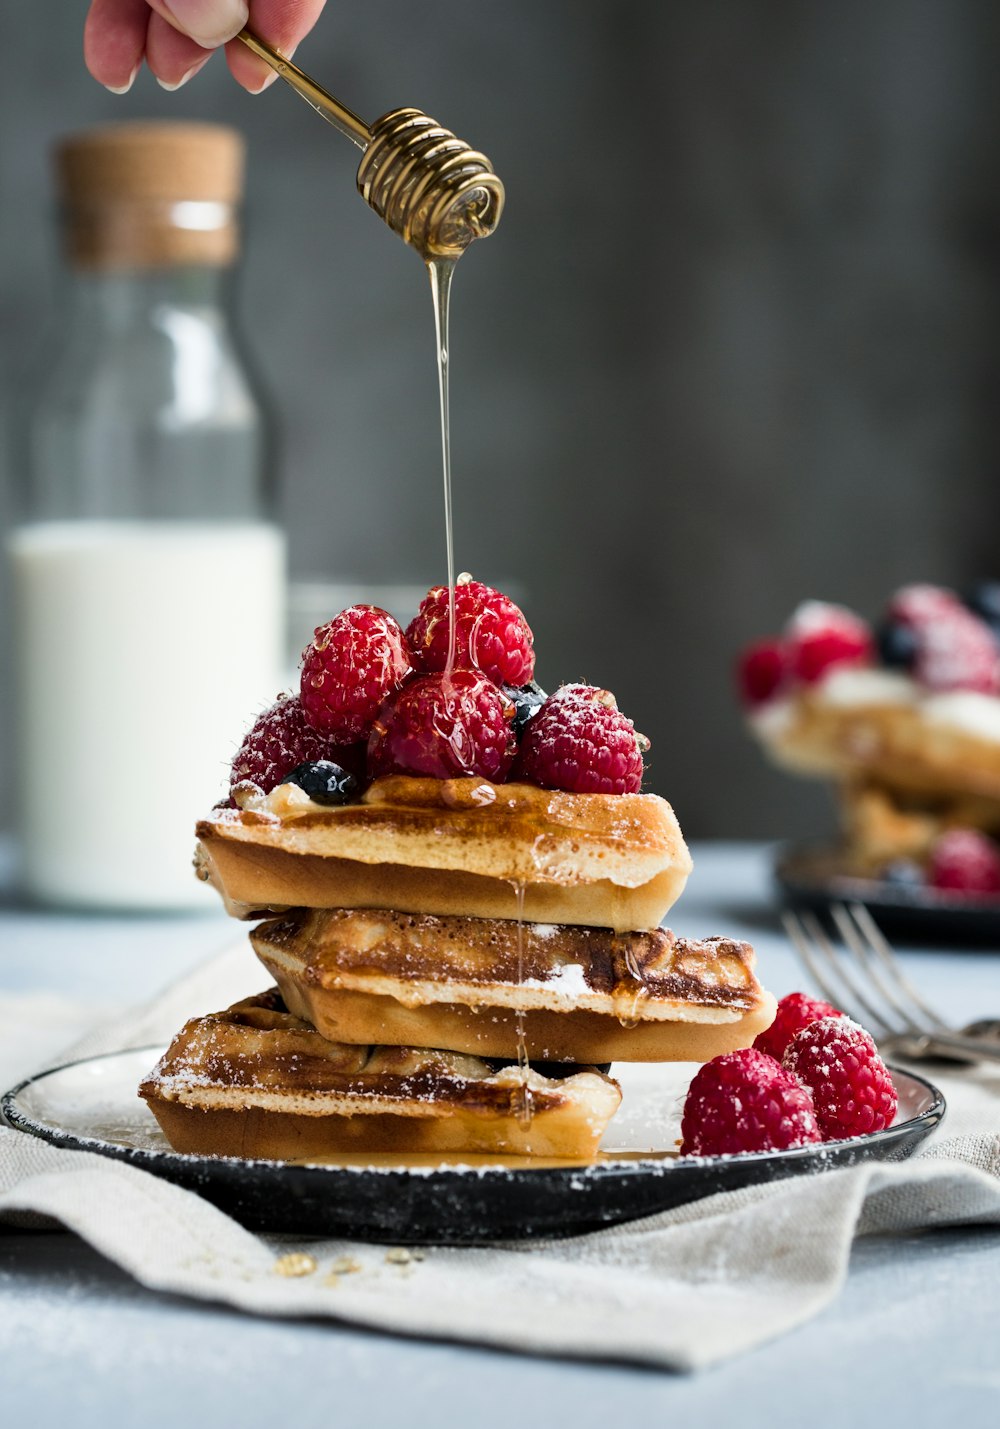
453 846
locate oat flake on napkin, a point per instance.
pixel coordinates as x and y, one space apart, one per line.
680 1290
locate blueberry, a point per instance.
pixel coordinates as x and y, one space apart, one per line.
324 782
897 645
527 701
984 600
902 873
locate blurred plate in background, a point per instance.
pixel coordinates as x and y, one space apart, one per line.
811 876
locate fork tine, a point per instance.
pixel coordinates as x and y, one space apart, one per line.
821 961
858 992
890 963
800 942
857 940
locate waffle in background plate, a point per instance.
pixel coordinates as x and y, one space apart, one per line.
903 718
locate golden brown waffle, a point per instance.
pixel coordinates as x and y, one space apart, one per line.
455 846
882 824
575 994
894 745
257 1082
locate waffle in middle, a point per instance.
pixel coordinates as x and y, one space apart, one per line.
499 988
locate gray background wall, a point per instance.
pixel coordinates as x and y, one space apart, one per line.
735 342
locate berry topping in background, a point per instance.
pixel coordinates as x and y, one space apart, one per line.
902 873
897 645
491 634
851 1086
958 653
527 701
820 635
443 727
964 861
761 670
325 782
920 605
984 600
581 743
953 648
353 663
280 740
745 1101
795 1011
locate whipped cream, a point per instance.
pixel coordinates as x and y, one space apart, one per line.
968 710
772 721
852 687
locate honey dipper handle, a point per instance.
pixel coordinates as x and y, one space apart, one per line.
331 109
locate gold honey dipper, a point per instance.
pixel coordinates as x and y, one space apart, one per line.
430 187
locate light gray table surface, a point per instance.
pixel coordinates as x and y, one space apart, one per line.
912 1339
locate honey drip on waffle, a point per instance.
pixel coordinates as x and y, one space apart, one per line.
631 987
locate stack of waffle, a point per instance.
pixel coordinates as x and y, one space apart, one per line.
456 964
903 718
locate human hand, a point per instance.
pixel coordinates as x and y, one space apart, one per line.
177 37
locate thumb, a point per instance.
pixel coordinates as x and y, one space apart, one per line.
209 22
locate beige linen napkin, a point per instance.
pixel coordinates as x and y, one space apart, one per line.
679 1290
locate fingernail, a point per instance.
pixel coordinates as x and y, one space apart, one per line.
164 84
124 88
209 22
267 81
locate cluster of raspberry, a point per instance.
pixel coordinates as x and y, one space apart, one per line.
375 700
813 1076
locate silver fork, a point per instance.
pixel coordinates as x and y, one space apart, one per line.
862 976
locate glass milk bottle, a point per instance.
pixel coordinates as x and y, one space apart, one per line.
147 572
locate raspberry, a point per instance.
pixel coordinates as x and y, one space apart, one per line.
964 861
920 605
953 648
851 1086
444 726
745 1101
579 741
280 740
819 636
581 692
795 1011
958 652
761 670
491 634
354 662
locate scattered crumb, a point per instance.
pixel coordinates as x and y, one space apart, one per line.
345 1265
399 1256
294 1264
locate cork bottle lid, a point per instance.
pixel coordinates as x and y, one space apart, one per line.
151 194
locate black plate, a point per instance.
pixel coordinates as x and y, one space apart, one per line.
92 1106
809 876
